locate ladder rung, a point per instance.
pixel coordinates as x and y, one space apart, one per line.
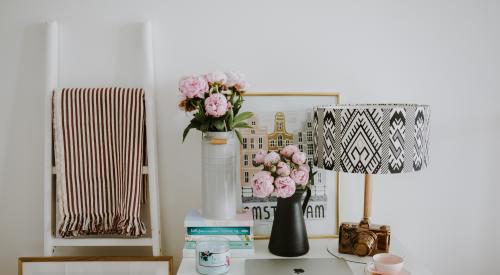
145 170
103 242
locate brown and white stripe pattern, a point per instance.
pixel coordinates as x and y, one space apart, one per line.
99 139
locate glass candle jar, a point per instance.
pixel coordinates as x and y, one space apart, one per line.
213 256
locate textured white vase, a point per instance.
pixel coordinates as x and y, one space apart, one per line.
219 175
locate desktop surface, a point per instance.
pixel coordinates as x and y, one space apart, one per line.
318 249
297 266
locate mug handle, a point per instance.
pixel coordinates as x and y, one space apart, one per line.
306 200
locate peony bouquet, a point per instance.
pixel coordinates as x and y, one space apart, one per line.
215 100
284 172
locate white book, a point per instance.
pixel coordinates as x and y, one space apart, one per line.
232 245
195 219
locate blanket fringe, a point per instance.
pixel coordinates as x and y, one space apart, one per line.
75 226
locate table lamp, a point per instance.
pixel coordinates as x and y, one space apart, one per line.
370 139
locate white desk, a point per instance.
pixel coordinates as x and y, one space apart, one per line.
317 250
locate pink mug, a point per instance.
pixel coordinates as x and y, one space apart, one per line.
388 264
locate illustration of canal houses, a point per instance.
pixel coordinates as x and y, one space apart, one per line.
279 138
253 140
304 140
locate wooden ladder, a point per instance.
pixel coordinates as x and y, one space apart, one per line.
51 240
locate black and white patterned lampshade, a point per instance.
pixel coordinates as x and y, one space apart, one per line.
372 138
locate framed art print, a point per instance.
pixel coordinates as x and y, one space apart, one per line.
280 119
78 265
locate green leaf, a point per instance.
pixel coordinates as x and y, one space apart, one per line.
204 126
234 100
241 125
200 115
186 131
238 134
230 117
242 117
219 124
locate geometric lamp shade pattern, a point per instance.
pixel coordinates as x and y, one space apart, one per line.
372 138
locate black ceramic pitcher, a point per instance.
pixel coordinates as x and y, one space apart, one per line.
289 234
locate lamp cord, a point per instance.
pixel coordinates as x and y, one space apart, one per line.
336 256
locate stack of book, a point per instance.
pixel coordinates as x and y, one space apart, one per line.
238 231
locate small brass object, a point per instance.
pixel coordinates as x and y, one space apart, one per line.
364 239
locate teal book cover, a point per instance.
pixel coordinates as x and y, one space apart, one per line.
219 230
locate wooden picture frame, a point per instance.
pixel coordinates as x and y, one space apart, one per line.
92 263
294 105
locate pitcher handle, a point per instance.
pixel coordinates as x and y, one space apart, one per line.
306 200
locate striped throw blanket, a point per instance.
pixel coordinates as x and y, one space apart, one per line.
99 153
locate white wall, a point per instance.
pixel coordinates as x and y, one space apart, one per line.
444 53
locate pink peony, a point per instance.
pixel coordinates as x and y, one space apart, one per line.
237 80
216 77
259 157
242 85
285 187
305 168
299 176
282 169
216 105
262 184
289 150
193 86
299 158
271 159
232 78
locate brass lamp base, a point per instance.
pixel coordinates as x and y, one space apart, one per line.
364 239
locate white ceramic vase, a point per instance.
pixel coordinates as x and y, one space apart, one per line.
219 175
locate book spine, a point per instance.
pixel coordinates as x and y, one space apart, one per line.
238 245
218 223
195 219
243 230
246 238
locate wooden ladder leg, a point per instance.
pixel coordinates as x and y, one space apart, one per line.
49 250
51 75
148 84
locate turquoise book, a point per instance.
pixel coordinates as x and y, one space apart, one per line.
219 230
